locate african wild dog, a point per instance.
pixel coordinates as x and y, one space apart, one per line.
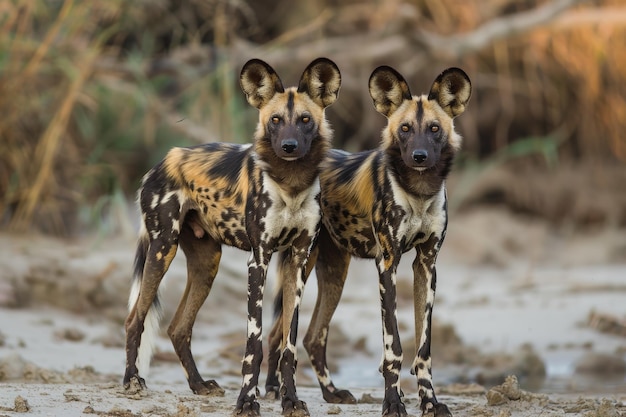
380 204
260 198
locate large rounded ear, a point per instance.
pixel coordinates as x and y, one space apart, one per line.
388 89
321 81
452 90
259 82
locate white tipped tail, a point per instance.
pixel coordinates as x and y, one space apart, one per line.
150 331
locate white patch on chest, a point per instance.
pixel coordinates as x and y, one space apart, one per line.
301 211
425 215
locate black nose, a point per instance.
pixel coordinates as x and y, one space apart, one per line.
420 155
289 145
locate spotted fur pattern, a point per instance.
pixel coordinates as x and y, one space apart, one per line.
380 204
260 198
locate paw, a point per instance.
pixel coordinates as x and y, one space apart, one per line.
394 410
272 392
295 408
249 408
208 388
135 384
339 397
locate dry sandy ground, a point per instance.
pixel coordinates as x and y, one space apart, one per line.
515 297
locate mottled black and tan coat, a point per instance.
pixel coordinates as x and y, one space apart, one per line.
261 198
380 204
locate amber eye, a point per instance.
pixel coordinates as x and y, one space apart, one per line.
306 119
434 128
405 128
275 120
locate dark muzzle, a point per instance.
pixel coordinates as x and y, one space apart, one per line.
289 145
420 155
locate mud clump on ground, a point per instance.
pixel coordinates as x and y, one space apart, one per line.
510 390
476 366
20 405
367 398
595 408
462 389
70 276
70 334
494 367
15 368
601 364
607 323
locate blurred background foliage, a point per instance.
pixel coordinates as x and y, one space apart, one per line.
93 93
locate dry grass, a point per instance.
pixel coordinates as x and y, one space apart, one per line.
79 117
92 93
568 75
44 71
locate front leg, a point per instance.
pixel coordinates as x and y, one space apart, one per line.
387 264
247 404
424 285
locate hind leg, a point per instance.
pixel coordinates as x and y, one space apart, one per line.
331 269
203 257
158 258
272 383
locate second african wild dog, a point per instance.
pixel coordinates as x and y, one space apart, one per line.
380 204
261 198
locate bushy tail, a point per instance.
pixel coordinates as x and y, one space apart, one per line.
151 324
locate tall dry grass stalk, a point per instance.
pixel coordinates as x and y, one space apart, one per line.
49 145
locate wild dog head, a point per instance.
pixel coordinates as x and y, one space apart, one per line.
420 126
291 119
